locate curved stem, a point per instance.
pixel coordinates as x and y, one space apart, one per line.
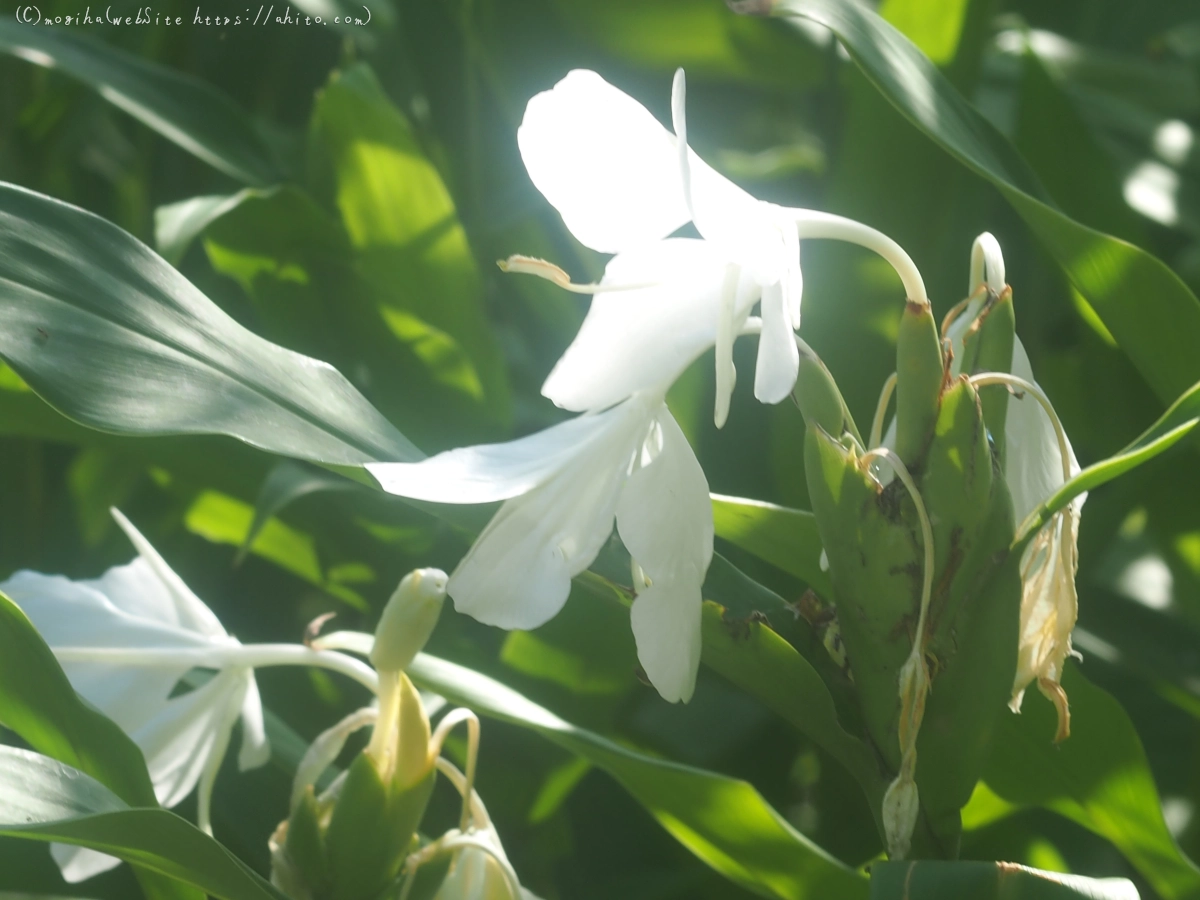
813 224
220 656
885 397
452 718
1064 448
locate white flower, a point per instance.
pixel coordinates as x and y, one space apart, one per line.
95 627
562 489
1038 461
623 184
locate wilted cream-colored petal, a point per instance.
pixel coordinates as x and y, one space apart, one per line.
1049 607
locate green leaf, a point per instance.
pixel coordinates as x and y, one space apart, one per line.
723 821
411 249
1172 426
113 337
176 225
39 704
750 654
937 880
45 800
786 538
1115 277
1099 777
286 483
184 110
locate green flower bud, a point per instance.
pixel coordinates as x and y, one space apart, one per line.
818 397
408 619
919 377
988 347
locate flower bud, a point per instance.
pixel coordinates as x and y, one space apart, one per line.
901 805
820 401
408 619
919 376
988 347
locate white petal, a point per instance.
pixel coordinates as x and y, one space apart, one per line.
987 263
79 863
665 520
1033 462
79 613
638 339
489 472
778 357
256 749
666 628
187 610
181 738
604 162
665 515
518 573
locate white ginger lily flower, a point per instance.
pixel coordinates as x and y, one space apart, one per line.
562 489
145 606
1038 461
623 184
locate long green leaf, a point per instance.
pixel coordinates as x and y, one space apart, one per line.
44 800
1146 307
39 704
113 337
936 880
1099 777
189 112
722 820
786 538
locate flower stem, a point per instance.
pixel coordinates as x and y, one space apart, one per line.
220 656
814 224
881 410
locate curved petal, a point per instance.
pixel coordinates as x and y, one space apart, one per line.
666 628
79 863
188 610
665 516
489 472
1033 462
256 749
518 573
604 162
180 740
643 338
665 520
778 357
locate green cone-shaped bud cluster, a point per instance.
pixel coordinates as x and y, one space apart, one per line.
351 843
871 531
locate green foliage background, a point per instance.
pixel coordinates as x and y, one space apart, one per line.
366 180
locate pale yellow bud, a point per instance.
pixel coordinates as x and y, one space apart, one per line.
408 619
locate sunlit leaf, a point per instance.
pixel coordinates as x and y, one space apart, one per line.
936 880
113 337
1099 777
1113 276
722 820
